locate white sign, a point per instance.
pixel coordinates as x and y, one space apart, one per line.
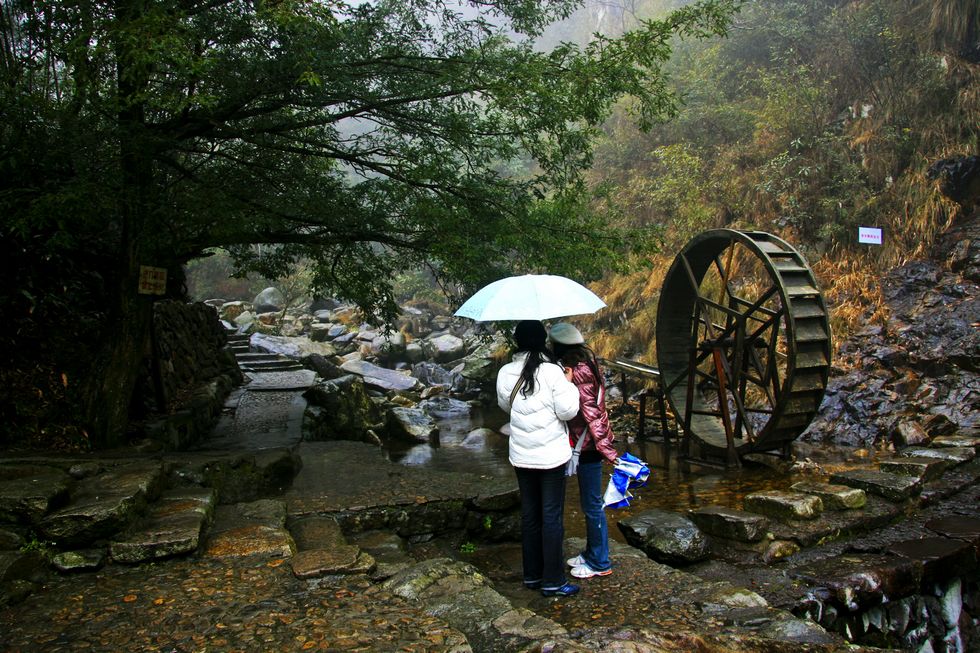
870 235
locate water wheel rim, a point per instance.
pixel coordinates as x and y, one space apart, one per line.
804 328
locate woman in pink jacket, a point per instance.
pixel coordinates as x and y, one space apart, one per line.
582 369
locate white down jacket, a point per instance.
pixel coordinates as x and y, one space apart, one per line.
539 436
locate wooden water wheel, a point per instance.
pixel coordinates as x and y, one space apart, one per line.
743 343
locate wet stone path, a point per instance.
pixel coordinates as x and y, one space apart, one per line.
266 577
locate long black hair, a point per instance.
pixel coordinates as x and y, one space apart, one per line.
531 336
571 355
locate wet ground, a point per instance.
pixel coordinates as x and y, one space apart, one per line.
208 605
258 604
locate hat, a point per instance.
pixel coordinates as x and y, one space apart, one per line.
530 335
565 334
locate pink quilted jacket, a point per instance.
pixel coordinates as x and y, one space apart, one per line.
590 412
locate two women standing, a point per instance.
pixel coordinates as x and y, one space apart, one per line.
540 397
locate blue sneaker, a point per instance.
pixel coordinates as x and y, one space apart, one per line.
565 590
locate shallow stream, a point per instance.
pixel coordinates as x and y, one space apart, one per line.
472 442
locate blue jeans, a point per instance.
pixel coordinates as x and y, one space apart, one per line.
596 552
542 525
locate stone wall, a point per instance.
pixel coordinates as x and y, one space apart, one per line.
192 372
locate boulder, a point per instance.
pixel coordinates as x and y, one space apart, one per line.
340 409
293 347
856 581
445 348
245 321
482 364
250 529
380 377
269 300
77 561
389 347
924 469
666 537
342 559
889 486
411 424
231 310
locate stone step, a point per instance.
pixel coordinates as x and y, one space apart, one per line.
890 486
323 550
278 365
257 529
104 504
173 527
730 524
784 505
834 497
259 356
924 469
835 524
956 442
953 455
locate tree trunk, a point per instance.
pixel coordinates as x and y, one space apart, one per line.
114 374
127 331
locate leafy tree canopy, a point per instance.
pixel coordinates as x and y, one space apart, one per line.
365 137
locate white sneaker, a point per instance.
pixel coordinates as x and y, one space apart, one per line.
585 571
577 561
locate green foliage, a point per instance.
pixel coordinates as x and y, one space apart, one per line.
36 545
809 119
347 142
467 548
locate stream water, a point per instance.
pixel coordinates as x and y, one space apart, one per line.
472 442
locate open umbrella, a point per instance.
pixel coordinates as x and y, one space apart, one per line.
530 297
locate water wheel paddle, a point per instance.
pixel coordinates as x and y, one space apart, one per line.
743 342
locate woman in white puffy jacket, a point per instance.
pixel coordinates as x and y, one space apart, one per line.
539 399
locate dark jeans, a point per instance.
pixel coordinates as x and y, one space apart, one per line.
542 525
596 552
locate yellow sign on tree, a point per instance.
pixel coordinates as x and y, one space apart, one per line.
153 281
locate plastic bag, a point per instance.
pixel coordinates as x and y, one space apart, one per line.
630 473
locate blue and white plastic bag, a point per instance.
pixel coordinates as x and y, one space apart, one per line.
630 473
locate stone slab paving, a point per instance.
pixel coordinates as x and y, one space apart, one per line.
353 477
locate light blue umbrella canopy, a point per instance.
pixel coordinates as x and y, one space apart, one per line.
530 297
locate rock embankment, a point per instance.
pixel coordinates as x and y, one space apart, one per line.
916 376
